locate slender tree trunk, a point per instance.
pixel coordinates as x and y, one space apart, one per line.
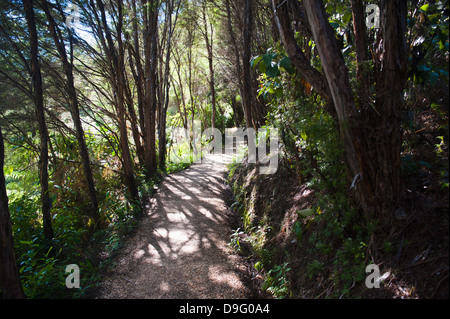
40 114
75 112
150 104
237 60
118 85
338 81
191 87
180 84
209 49
299 60
247 83
166 85
121 86
363 74
133 122
9 274
139 80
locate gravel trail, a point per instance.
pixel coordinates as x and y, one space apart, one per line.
180 248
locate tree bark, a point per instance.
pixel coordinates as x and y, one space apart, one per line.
371 135
75 112
138 74
337 77
166 85
209 49
389 101
40 114
150 104
9 274
118 84
363 74
238 113
246 80
299 61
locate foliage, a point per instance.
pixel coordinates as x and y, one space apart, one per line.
312 149
431 34
42 263
276 281
332 229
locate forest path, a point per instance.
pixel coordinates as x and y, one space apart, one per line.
180 248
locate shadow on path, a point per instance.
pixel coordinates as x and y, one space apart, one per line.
180 248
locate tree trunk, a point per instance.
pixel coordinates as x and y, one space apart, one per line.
134 122
75 112
209 49
118 85
9 275
40 114
121 88
237 59
363 74
371 136
166 85
337 77
299 60
389 101
138 75
150 104
247 84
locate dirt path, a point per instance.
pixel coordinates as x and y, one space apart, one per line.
180 248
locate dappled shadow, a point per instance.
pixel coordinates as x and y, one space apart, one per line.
180 249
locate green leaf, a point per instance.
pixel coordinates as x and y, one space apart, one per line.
256 60
272 70
347 17
279 92
425 7
262 67
287 65
267 58
347 50
335 23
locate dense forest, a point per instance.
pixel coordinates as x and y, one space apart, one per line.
93 91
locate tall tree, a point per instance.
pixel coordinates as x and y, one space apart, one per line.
247 22
116 65
150 15
297 56
237 58
40 114
207 30
9 274
164 104
67 63
137 70
370 134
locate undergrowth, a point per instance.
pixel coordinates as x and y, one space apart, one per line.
294 240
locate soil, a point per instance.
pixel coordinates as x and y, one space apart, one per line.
180 249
